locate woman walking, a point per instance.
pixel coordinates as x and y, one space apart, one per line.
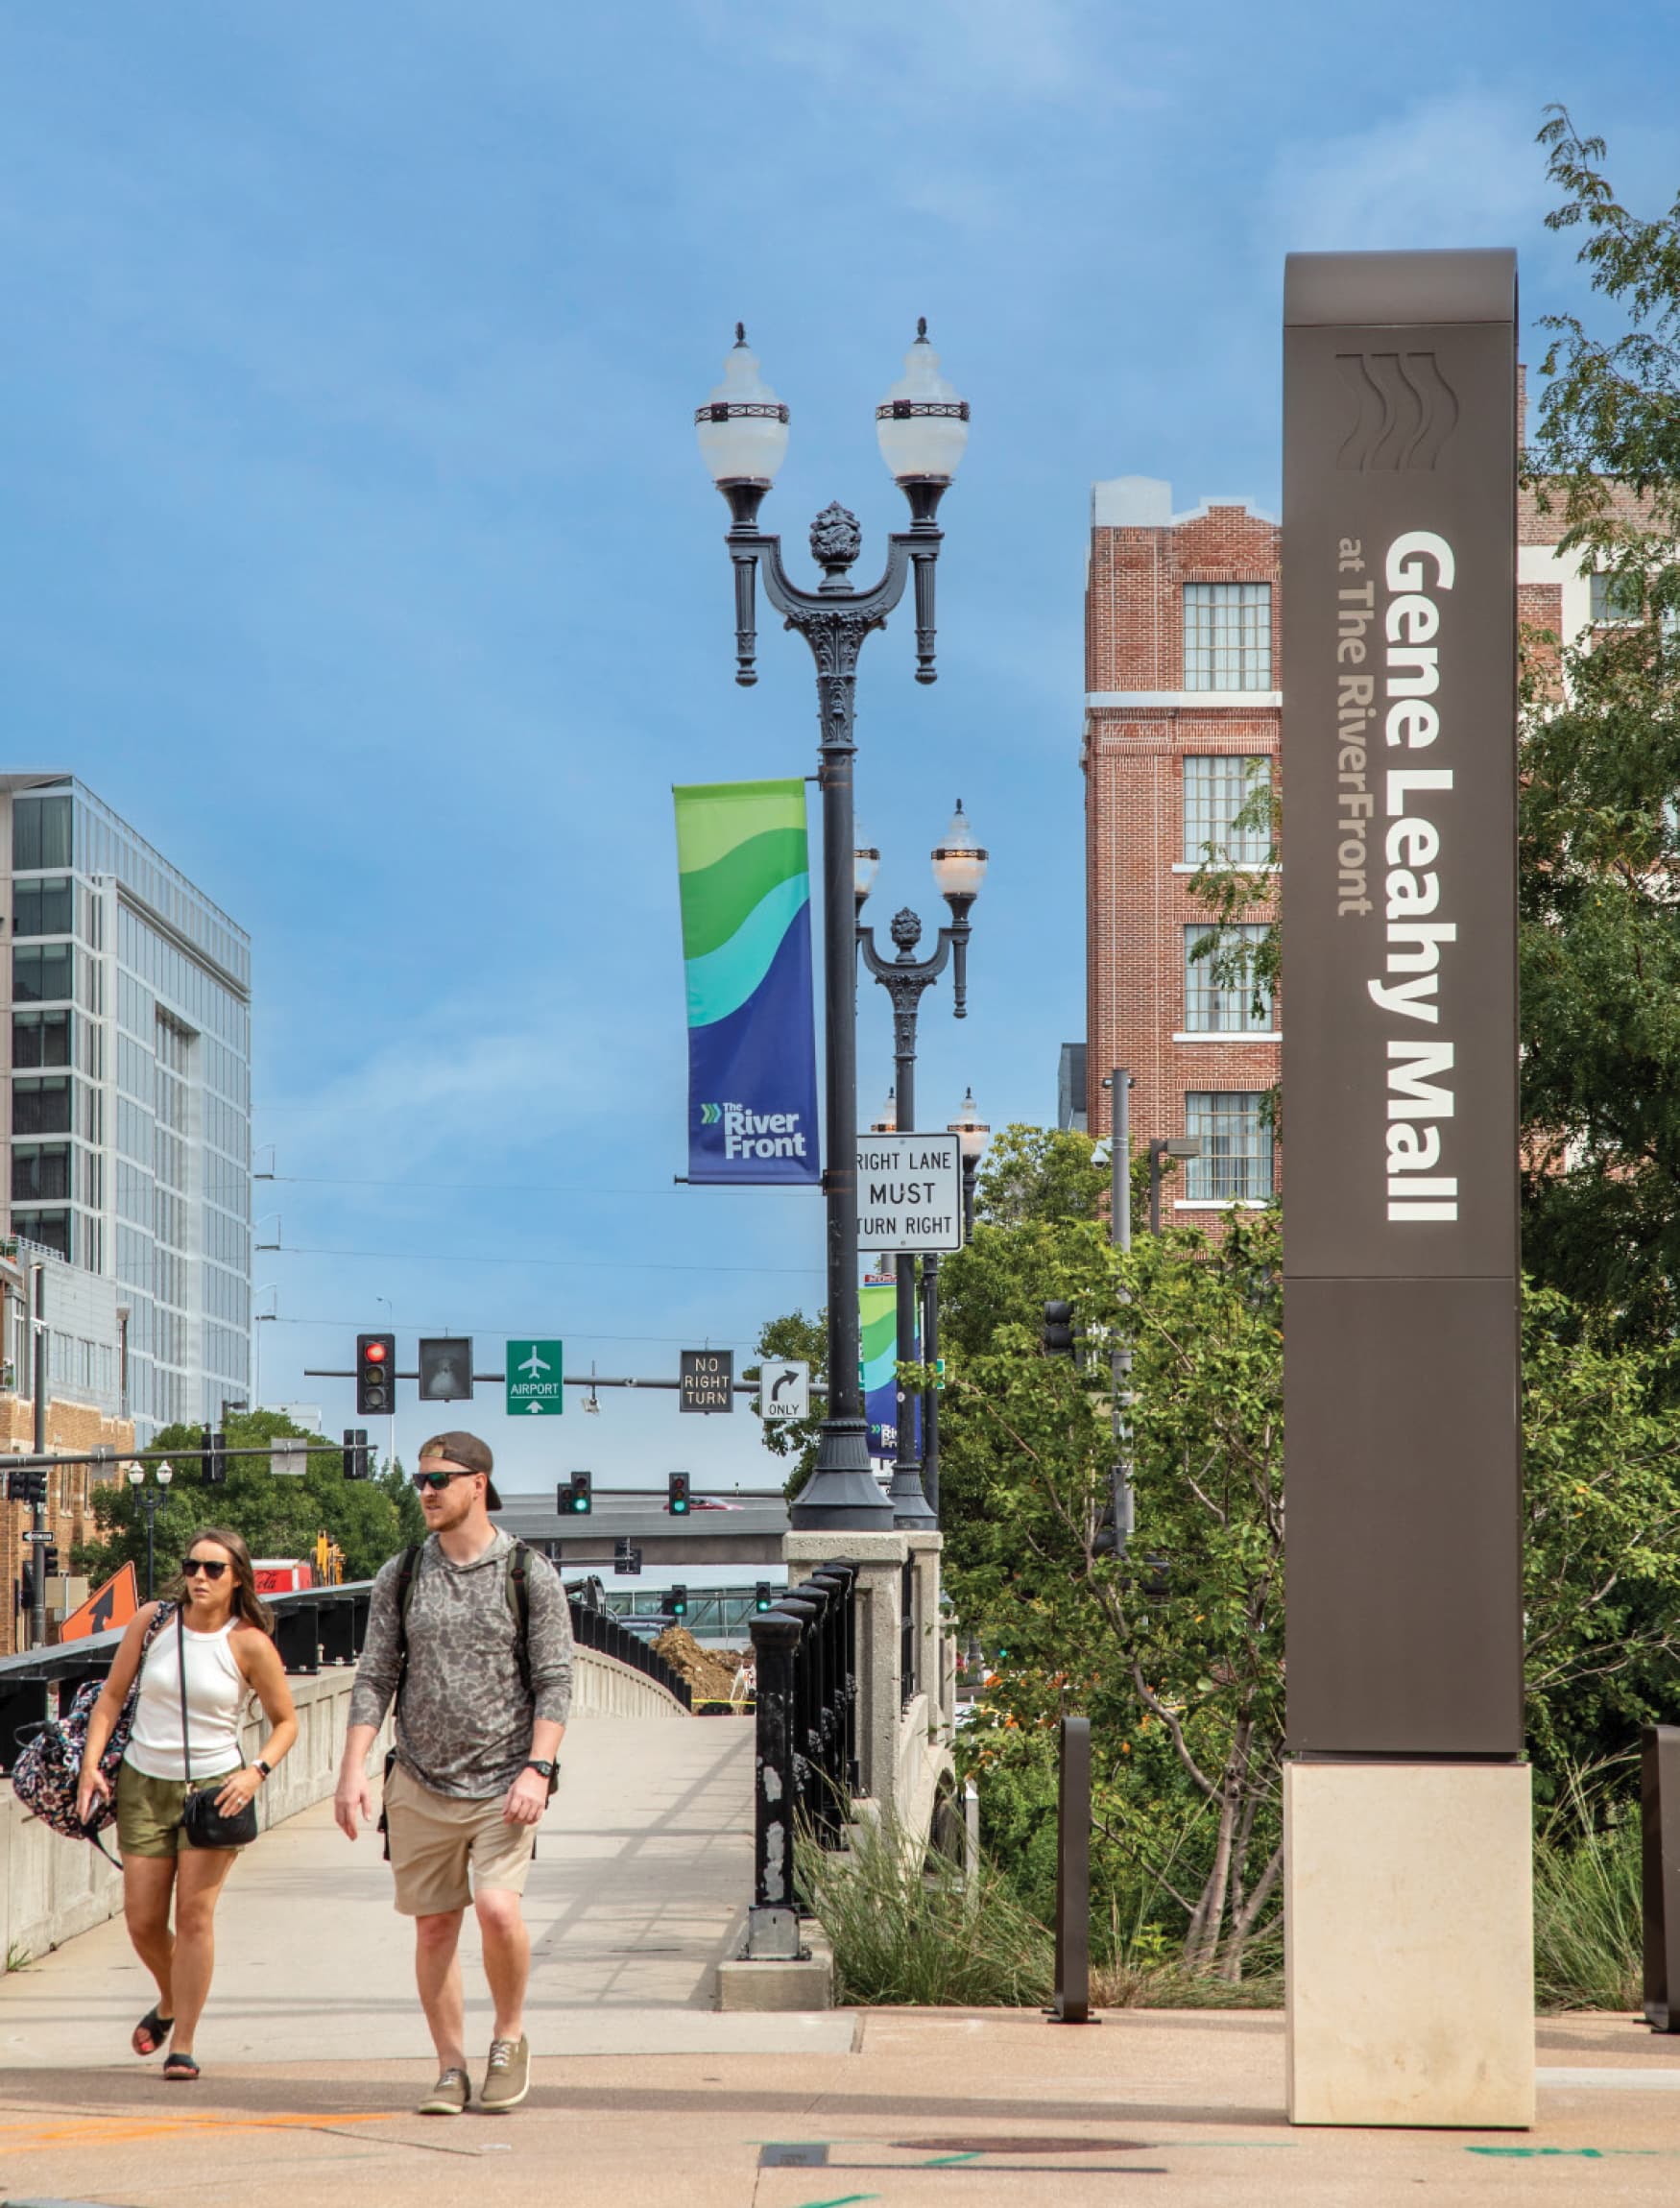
214 1639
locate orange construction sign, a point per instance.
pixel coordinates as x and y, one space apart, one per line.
108 1607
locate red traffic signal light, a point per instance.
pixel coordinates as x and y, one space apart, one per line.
375 1375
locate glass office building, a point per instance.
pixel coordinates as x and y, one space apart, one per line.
130 1118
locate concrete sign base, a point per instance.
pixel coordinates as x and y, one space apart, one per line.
1410 1943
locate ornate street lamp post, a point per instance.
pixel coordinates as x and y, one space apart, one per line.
922 427
959 868
150 1498
972 1135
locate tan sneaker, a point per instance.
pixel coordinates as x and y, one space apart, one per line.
448 2096
507 2076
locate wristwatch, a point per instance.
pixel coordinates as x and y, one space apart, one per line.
541 1764
267 1769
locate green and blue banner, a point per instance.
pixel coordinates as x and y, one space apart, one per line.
878 1312
746 890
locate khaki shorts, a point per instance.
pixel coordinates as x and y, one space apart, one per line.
435 1838
148 1812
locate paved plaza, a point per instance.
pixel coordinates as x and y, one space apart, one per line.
314 2052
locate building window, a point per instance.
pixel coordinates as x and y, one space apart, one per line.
1216 791
40 1172
43 908
51 1229
1617 600
41 1038
1236 1164
1220 999
1228 635
40 1107
42 974
41 833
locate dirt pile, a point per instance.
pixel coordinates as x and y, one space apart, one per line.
709 1671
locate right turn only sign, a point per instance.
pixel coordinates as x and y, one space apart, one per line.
909 1192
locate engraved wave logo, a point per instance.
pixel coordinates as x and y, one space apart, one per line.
1406 411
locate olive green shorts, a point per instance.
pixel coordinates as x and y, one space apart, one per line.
148 1812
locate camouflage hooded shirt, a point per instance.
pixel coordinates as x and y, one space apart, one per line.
464 1717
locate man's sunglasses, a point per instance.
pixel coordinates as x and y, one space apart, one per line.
211 1567
437 1481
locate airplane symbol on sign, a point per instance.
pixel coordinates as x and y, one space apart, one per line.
534 1365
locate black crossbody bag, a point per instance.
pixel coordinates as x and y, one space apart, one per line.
203 1824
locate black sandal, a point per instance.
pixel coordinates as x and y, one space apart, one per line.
153 2026
180 2069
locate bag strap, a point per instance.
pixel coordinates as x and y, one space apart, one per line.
520 1603
405 1579
186 1754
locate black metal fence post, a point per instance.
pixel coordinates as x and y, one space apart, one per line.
1660 1832
1073 2003
773 1918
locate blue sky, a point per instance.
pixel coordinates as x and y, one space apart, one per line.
359 553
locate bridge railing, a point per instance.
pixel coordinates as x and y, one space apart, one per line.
805 1662
313 1628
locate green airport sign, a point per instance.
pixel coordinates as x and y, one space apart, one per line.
534 1379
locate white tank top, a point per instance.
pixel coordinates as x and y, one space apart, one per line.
215 1690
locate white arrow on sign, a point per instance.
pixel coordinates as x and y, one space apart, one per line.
784 1390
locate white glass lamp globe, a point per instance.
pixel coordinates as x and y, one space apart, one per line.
922 425
742 427
866 864
971 1131
959 864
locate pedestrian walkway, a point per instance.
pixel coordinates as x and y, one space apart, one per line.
643 1865
927 2110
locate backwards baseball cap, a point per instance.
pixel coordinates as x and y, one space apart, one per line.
471 1453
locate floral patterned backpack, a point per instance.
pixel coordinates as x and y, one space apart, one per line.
49 1767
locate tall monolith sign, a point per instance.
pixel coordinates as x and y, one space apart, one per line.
1406 1803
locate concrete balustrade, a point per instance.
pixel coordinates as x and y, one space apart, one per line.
52 1888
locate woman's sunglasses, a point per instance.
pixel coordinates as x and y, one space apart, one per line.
210 1566
437 1481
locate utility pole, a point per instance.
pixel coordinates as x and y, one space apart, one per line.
1120 1086
38 1515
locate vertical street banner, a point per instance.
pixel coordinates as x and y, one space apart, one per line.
877 1314
744 870
1405 1631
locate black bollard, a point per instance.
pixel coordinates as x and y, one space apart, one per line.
1660 1828
772 1920
1073 2004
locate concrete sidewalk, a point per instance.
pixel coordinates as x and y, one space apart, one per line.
643 1865
928 2108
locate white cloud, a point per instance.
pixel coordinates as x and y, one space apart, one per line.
1458 170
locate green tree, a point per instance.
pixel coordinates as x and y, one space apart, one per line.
276 1515
1600 772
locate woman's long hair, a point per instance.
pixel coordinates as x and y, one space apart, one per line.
247 1604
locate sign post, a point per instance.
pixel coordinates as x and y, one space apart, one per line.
534 1379
1404 1631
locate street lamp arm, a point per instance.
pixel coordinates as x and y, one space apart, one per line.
902 973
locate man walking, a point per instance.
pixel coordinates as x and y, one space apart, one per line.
471 1634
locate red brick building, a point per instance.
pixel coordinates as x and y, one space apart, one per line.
1182 717
1181 721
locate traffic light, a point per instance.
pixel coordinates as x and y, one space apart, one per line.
573 1499
25 1587
50 1558
677 1494
215 1457
446 1369
763 1598
356 1453
375 1375
1058 1329
27 1486
677 1602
